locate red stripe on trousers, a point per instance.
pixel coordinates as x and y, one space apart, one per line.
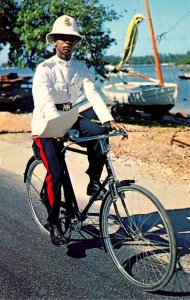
49 176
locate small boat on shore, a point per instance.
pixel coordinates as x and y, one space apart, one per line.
186 75
143 96
12 80
16 93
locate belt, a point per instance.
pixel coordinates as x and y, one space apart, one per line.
64 106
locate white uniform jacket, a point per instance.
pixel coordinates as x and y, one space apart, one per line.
57 81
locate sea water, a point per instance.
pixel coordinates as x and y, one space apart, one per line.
170 74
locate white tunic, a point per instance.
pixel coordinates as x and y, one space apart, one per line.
57 81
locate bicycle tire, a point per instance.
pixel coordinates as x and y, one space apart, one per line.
138 235
35 178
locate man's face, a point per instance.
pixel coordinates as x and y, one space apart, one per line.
64 45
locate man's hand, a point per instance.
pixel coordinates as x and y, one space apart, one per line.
116 126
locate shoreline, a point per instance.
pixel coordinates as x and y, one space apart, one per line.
182 102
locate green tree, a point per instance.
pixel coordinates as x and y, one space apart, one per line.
8 17
35 20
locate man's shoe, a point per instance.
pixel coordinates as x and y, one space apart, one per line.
56 234
93 187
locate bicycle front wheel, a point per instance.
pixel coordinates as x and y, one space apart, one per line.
139 237
35 179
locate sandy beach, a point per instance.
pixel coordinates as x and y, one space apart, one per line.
159 151
155 155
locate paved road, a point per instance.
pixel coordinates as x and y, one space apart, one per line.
32 268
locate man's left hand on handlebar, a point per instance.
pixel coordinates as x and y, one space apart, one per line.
115 126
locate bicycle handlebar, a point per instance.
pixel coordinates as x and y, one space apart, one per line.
73 137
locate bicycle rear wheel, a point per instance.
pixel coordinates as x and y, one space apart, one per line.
139 237
35 183
74 229
36 194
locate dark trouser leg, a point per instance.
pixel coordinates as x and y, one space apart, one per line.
50 155
87 128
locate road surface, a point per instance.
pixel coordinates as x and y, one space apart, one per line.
32 268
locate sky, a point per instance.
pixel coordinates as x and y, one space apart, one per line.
170 16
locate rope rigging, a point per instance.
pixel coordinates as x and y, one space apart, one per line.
163 34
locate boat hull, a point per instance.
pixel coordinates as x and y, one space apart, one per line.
184 77
144 96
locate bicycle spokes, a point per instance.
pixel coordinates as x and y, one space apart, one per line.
139 237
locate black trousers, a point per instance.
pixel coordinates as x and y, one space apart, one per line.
50 153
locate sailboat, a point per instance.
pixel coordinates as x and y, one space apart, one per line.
153 96
185 74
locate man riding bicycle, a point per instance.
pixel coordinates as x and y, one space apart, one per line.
56 87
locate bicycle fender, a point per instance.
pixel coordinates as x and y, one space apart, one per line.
31 160
126 181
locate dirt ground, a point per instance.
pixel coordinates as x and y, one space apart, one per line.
163 152
160 150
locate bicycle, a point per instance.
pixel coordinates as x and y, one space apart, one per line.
133 225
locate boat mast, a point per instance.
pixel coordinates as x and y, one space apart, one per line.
157 61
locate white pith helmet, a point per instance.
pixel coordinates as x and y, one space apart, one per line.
63 25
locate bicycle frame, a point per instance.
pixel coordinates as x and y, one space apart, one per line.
110 179
65 180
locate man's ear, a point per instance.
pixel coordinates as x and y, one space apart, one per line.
55 43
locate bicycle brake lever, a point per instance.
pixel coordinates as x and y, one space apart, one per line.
124 133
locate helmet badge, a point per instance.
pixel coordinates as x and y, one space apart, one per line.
67 21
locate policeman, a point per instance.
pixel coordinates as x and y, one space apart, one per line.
57 84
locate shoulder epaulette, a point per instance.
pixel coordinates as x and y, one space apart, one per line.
48 64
